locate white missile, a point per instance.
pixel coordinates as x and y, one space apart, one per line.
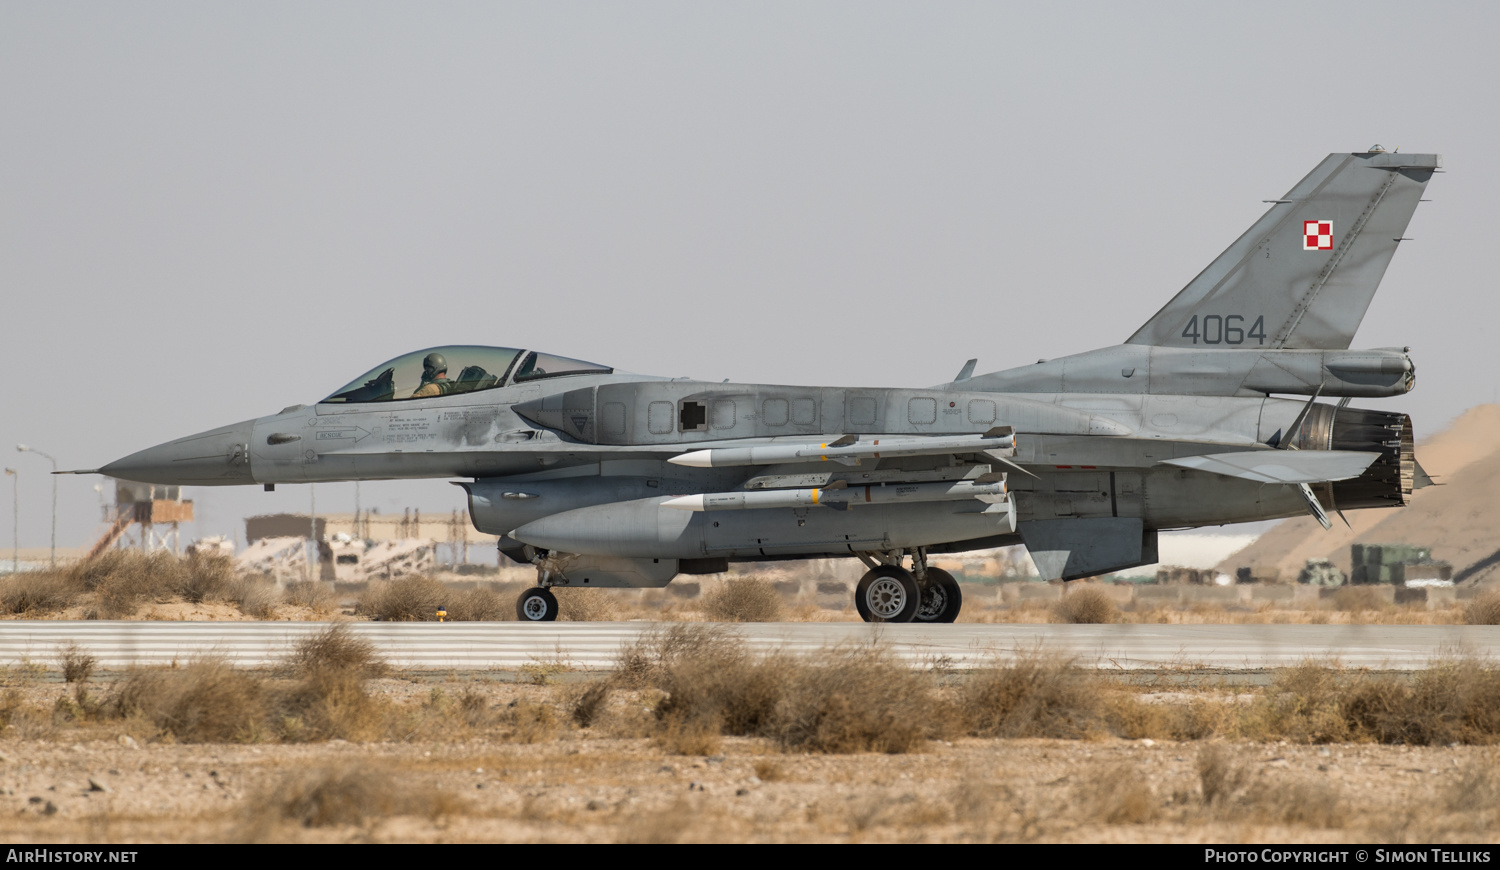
840 497
847 450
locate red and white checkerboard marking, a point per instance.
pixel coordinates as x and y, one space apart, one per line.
1317 235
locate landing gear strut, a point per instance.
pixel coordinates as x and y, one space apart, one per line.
537 604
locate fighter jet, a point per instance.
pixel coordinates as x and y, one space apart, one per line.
1208 414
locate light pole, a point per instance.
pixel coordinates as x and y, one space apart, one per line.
22 448
15 521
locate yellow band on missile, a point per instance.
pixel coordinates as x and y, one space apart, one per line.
815 496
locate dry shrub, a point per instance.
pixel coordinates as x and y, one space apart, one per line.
329 699
336 649
591 703
645 662
479 604
39 592
255 597
315 595
856 699
1219 775
77 665
532 722
122 580
208 577
583 605
407 599
1037 695
744 599
1358 599
681 734
1456 701
205 702
1193 719
1118 795
349 795
1484 609
850 699
1309 804
1303 704
1086 606
723 688
769 771
1477 790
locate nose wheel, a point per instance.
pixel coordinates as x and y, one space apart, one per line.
887 593
536 605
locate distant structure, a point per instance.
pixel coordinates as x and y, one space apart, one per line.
138 511
355 547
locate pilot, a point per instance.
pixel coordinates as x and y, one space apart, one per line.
434 377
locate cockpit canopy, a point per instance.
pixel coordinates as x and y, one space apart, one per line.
442 371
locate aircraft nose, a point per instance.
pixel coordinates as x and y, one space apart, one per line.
218 456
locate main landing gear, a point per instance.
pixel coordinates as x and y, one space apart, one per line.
890 593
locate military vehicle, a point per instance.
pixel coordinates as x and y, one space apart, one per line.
1208 414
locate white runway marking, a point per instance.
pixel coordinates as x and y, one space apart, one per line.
594 645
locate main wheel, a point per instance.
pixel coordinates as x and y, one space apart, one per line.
941 598
888 593
536 605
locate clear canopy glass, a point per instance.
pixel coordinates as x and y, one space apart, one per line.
443 371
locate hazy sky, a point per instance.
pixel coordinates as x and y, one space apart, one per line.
210 211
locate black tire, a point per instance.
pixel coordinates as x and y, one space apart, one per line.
536 605
887 593
941 598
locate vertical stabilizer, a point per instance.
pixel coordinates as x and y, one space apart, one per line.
1304 274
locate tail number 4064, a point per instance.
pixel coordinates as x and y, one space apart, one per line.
1225 329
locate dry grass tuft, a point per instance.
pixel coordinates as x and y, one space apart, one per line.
1308 804
591 703
744 599
584 605
1219 775
1035 696
645 662
479 604
1303 704
336 649
206 702
33 593
1086 606
856 699
349 795
1484 609
1119 795
315 595
407 599
77 665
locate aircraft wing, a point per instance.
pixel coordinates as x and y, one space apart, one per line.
1282 466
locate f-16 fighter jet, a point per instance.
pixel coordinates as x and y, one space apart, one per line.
1208 414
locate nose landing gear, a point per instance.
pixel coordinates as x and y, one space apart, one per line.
537 604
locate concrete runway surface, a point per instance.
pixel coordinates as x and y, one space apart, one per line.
593 646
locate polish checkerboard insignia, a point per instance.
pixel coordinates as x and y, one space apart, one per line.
1317 235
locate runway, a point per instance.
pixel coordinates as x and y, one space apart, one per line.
593 646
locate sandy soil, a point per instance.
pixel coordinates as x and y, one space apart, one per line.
100 785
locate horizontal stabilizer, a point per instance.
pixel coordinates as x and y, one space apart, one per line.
1282 466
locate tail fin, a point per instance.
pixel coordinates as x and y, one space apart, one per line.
1304 274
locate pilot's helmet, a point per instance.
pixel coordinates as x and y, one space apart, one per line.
433 365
